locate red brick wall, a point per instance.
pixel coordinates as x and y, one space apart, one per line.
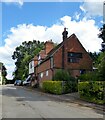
58 58
42 68
73 45
45 76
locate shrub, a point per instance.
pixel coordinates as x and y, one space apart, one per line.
101 69
59 87
91 76
71 84
54 87
92 91
61 75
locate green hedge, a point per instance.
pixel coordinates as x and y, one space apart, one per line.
59 87
92 91
52 86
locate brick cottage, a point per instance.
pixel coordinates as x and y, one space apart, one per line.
68 55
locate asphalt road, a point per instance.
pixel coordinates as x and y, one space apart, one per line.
17 102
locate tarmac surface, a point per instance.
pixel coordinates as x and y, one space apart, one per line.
71 98
25 102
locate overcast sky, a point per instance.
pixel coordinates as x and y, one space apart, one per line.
25 21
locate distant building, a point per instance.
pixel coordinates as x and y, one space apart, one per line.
1 80
68 55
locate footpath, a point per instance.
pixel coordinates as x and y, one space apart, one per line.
71 98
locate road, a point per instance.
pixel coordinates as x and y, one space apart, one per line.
18 102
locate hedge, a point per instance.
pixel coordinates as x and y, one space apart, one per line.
92 91
58 87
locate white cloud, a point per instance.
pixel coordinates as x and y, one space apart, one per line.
77 16
86 31
20 2
92 8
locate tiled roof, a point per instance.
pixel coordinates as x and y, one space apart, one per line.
55 49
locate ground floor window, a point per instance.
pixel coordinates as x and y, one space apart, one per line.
47 73
41 75
82 71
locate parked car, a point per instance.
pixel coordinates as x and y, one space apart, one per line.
27 81
18 82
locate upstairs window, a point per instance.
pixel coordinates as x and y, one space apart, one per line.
74 57
31 65
51 62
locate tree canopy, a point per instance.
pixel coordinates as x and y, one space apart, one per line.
4 72
102 36
22 55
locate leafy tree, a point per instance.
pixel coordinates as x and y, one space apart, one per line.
94 57
101 66
102 36
22 55
4 73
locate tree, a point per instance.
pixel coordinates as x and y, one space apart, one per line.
4 74
102 36
23 54
101 59
94 57
101 66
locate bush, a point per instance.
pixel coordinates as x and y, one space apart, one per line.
101 69
54 87
61 75
92 91
70 83
91 76
59 87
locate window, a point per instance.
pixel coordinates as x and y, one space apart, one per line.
82 71
73 54
74 57
47 73
51 62
31 65
41 75
73 60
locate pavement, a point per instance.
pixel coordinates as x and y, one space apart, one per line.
71 98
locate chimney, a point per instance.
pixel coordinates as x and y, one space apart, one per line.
65 33
49 45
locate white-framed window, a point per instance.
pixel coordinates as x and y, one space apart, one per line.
41 75
47 73
31 65
52 64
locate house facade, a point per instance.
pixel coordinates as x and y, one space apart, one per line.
1 80
69 55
